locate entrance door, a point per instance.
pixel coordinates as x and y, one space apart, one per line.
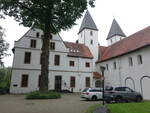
58 80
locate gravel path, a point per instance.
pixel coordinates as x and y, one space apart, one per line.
69 103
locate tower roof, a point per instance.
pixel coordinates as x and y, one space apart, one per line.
115 30
88 22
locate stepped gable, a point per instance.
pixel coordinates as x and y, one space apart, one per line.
78 50
132 43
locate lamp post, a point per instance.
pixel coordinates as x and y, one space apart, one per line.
103 80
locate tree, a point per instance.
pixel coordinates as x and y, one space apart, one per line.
5 75
3 46
49 15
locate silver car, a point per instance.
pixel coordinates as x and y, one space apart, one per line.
92 93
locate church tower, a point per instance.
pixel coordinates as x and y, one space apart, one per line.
88 34
115 34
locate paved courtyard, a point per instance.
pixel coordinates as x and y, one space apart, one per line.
69 103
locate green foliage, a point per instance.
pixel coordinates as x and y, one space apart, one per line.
5 75
143 107
3 46
59 14
38 95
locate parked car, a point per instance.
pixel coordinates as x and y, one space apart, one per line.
121 94
92 93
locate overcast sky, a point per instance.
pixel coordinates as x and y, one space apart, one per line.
132 16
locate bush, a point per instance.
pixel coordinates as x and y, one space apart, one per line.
38 95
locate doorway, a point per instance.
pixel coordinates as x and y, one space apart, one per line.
58 82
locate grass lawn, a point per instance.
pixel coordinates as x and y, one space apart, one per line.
143 107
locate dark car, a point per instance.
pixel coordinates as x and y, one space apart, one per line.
122 94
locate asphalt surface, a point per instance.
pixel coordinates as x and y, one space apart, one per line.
69 103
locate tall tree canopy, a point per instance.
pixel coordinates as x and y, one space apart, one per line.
49 15
3 45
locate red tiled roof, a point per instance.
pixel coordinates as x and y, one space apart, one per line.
136 41
97 75
78 50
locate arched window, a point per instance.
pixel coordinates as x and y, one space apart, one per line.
139 58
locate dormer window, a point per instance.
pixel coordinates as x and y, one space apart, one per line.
91 33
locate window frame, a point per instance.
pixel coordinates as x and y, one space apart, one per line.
115 65
87 82
130 60
37 34
140 59
91 33
52 45
87 64
27 59
57 60
72 81
71 63
33 43
24 80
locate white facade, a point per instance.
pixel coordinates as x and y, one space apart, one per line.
89 38
119 70
79 71
136 76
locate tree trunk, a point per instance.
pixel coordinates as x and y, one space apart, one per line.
43 88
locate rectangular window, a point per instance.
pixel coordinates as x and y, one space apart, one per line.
87 81
115 65
91 33
140 59
27 58
24 81
71 63
57 60
52 46
107 66
37 34
33 43
130 61
87 64
72 81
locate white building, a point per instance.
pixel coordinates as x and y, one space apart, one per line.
74 66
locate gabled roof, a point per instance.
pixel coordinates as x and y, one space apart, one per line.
78 50
132 43
88 22
115 30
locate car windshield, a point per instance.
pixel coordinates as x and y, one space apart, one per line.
85 89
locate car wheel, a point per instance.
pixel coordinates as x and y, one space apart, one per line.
94 98
138 99
118 99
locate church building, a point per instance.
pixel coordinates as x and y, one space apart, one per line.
75 66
